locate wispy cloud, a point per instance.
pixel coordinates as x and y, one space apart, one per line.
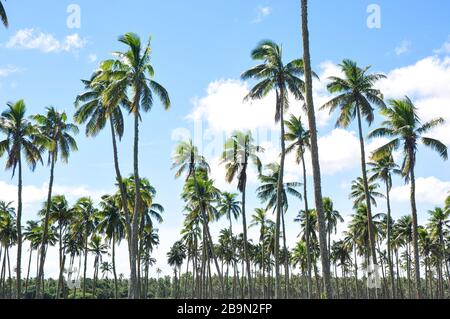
404 47
262 13
32 39
8 70
445 48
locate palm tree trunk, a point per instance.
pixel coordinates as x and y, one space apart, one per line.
280 104
315 153
246 254
123 198
415 225
114 266
366 191
28 271
60 279
86 234
286 259
391 267
46 222
308 248
19 229
134 282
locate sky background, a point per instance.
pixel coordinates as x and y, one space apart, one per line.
200 48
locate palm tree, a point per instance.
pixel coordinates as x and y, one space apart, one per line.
112 225
403 231
175 257
53 125
315 150
438 223
93 110
356 96
259 219
300 139
332 218
404 126
358 192
132 70
3 15
62 214
239 152
98 250
187 159
382 169
273 74
268 192
22 139
8 238
85 224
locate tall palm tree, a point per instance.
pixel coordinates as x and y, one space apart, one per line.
356 97
92 110
239 152
53 125
300 139
383 169
3 15
132 70
22 139
403 125
282 78
186 159
315 150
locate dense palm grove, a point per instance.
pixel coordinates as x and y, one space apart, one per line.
412 260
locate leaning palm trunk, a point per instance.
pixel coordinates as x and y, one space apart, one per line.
415 225
315 153
46 222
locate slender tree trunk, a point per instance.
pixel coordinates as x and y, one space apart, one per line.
28 271
123 198
86 235
46 224
19 231
280 104
308 244
286 259
315 153
244 226
134 288
415 225
366 191
114 266
389 251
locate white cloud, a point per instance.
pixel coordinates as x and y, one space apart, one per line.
32 39
429 190
445 48
262 13
34 195
427 82
404 47
8 70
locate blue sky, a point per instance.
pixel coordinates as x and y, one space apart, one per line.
199 50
